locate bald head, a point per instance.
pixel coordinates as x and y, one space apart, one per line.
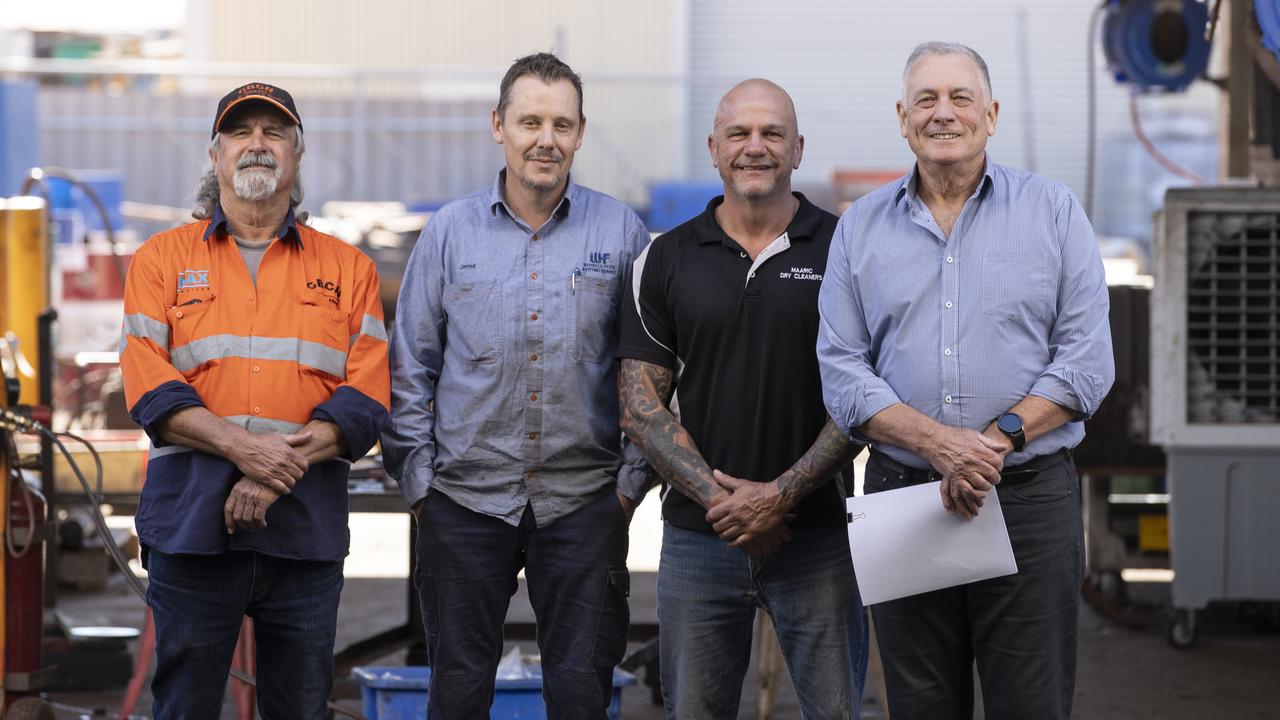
755 143
756 90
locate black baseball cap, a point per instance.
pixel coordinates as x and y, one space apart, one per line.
256 92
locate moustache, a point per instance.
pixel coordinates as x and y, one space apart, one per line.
543 156
256 159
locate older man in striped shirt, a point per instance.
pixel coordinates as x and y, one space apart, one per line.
964 334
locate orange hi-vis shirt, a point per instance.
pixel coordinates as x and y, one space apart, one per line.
306 342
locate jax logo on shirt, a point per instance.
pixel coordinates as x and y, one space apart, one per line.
600 262
193 279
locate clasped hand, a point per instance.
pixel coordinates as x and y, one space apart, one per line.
969 463
749 515
271 464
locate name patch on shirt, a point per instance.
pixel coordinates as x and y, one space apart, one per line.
328 286
600 262
193 280
800 273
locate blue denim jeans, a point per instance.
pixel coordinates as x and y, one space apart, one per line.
708 593
576 571
1020 629
199 601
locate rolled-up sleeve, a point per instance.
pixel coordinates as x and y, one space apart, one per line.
1081 367
417 355
851 389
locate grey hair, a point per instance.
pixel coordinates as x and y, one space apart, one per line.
945 48
208 194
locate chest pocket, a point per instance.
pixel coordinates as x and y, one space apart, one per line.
323 339
190 324
1015 285
593 320
474 312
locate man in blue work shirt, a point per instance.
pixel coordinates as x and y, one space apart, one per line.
964 333
504 432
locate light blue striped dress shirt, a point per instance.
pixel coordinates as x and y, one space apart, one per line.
961 328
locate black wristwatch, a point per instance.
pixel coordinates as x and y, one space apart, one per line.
1011 425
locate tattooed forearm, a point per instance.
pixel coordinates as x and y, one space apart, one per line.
830 452
644 389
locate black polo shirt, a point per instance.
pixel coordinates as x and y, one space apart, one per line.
741 338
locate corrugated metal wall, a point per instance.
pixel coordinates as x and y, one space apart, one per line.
409 150
626 53
842 63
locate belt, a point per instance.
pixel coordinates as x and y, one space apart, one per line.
1011 475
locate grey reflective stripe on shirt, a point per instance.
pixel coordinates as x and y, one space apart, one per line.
215 347
372 327
144 326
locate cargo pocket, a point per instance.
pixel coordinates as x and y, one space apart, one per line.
615 619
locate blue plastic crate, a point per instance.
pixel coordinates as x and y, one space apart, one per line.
400 693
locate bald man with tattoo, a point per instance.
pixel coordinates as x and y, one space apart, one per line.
720 389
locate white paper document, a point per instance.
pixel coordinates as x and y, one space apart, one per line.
903 543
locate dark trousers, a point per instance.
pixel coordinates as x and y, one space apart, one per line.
577 577
199 602
1021 629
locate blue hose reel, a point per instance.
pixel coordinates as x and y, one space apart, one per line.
1156 45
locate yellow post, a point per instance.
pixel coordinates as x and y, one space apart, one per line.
26 264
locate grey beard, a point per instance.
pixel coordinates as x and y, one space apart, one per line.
253 184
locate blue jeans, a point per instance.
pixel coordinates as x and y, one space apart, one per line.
708 593
199 601
576 570
1020 629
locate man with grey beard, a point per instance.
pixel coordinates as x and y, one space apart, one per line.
255 357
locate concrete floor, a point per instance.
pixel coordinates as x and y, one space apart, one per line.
1231 672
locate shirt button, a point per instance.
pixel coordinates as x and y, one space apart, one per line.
752 275
533 358
742 254
948 304
533 436
257 369
947 399
178 314
533 396
257 410
950 259
249 298
535 237
533 316
533 276
947 351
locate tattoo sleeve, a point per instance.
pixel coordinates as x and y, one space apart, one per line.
830 452
644 391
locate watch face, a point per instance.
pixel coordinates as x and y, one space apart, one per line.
1009 423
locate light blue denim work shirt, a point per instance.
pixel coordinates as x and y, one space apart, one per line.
961 328
503 381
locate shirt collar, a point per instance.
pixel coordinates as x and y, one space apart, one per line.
497 201
804 224
907 188
218 223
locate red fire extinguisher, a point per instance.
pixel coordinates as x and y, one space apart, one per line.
24 577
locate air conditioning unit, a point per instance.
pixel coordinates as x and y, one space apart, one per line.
1215 378
1215 310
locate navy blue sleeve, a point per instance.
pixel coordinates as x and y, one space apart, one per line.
359 417
159 403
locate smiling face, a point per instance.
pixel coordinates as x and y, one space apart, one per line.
947 114
539 131
755 144
255 155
